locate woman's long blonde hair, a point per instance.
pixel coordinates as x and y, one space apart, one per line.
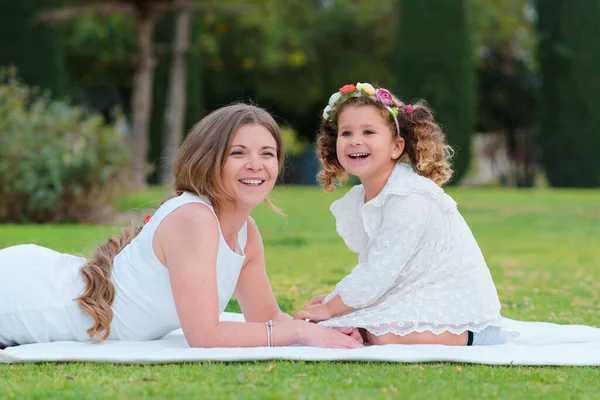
197 169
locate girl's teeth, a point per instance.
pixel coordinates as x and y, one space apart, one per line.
358 155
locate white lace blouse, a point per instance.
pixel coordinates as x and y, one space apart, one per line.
419 266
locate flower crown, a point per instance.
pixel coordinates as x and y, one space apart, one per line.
380 95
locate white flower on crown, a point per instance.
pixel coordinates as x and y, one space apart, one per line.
334 98
326 112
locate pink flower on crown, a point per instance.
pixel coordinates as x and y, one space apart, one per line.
384 96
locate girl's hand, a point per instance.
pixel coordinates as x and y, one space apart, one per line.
320 336
316 313
315 300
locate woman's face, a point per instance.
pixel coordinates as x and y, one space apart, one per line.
251 166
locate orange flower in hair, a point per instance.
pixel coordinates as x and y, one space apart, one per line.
347 89
147 218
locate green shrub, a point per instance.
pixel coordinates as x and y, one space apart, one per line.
56 163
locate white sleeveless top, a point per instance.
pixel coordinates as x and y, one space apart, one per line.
38 287
144 307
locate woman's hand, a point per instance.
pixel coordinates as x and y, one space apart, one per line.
320 336
317 313
354 333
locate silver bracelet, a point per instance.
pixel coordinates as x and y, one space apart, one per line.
269 327
268 334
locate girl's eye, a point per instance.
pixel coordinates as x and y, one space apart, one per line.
346 133
369 132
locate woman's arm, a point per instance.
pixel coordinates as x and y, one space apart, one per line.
188 239
253 290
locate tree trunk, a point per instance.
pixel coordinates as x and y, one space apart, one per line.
141 101
176 102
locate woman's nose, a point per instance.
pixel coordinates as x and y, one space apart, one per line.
254 163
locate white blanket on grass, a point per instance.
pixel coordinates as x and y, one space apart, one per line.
539 343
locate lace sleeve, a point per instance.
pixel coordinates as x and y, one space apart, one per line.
396 241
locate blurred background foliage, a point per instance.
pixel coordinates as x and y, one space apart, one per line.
495 72
56 163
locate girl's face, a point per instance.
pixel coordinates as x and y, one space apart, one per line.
367 146
251 167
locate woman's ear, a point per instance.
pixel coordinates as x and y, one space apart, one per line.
398 148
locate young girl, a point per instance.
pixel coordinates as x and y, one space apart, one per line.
178 270
420 277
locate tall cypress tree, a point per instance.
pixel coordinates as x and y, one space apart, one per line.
435 64
569 61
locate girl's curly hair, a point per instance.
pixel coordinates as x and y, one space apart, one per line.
425 148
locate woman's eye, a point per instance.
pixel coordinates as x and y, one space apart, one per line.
236 153
269 154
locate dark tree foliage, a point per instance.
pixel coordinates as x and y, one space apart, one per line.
569 60
435 64
31 46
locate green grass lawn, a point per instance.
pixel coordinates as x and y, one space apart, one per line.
543 248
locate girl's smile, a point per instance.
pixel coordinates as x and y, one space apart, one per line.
358 156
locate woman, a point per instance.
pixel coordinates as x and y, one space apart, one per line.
181 268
